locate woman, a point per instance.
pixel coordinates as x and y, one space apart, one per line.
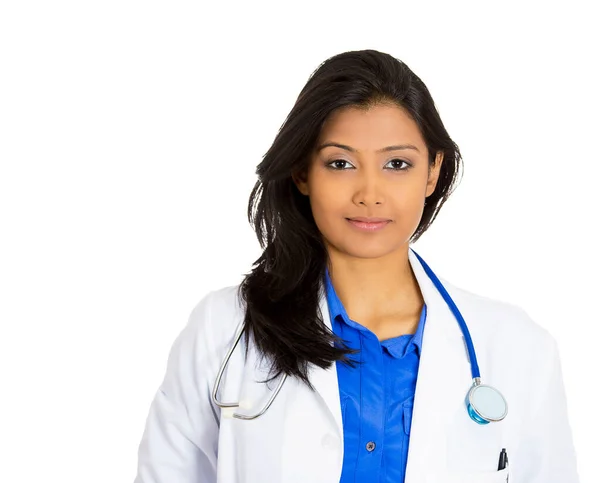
339 316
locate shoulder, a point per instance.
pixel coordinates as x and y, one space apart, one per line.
217 314
521 354
222 301
211 326
499 318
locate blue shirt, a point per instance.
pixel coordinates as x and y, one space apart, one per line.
376 397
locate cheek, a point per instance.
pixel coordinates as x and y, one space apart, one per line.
327 207
413 204
409 209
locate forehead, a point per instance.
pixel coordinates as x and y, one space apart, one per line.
372 128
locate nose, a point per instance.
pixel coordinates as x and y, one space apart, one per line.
369 190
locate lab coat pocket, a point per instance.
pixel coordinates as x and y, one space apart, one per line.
499 476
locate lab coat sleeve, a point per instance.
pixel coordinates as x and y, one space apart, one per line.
179 443
546 453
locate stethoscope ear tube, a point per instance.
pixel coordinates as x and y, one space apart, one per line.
217 384
238 335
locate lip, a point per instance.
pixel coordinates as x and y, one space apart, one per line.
368 219
369 226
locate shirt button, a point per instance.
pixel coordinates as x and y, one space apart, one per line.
370 446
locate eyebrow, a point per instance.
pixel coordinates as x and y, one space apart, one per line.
382 150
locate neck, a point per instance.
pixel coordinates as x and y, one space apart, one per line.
374 288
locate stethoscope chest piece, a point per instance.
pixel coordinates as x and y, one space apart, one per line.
485 404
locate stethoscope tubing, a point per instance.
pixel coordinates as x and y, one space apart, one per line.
473 412
475 374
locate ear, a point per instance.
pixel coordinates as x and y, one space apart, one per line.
300 181
434 173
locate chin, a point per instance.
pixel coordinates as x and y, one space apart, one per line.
367 250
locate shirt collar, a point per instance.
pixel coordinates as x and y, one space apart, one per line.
336 309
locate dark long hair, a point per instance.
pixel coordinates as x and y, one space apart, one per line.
281 293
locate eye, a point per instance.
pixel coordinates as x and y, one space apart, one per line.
337 163
398 164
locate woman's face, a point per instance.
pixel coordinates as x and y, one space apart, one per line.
363 177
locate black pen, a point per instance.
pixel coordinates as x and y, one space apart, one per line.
503 461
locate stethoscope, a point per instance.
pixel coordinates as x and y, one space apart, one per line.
485 404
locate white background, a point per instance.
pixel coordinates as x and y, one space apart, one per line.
129 136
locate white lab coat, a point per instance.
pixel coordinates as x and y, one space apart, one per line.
299 439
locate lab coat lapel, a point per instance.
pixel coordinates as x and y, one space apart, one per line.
325 381
301 426
442 383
